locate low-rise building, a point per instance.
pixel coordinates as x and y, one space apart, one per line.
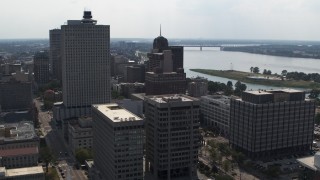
27 173
80 134
198 87
215 110
19 145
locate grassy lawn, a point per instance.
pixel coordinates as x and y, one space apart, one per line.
243 77
52 174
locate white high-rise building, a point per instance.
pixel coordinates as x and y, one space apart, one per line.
85 53
117 142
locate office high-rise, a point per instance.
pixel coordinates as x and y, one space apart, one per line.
172 137
55 54
41 67
271 123
163 75
85 53
117 142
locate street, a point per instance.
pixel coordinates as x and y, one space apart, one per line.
58 146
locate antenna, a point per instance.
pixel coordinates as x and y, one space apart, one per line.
160 29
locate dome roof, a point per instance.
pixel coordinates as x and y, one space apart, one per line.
160 43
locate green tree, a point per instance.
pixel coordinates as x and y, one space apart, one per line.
284 72
251 69
83 154
226 165
314 93
264 71
239 88
47 156
273 171
229 84
269 72
238 157
256 70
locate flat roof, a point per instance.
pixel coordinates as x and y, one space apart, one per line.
308 162
24 171
116 113
19 151
258 92
170 98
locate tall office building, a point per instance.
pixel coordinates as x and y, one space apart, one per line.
177 57
85 50
163 52
172 137
117 142
272 123
55 54
41 68
161 77
158 83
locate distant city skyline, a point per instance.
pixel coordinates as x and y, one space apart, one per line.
204 19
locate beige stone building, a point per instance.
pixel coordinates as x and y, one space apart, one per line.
27 173
118 143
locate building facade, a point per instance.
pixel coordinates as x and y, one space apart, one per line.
215 111
118 142
19 145
85 50
15 95
41 68
272 123
172 137
55 53
80 134
198 87
158 83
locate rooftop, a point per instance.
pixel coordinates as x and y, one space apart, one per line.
308 162
260 92
116 113
17 131
24 171
171 98
18 151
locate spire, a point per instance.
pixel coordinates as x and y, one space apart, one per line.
160 29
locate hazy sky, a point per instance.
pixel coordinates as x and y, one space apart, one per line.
214 19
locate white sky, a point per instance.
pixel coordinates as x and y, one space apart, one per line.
214 19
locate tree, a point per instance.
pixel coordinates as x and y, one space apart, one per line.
269 72
229 84
273 171
239 88
256 70
83 154
284 72
226 165
265 71
237 157
251 69
46 155
314 93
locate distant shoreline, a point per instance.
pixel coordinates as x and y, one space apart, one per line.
244 77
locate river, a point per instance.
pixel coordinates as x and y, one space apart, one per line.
213 58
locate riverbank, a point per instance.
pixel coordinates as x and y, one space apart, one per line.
245 77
